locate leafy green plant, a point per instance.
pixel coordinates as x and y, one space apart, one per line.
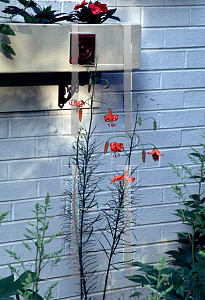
28 282
86 158
154 281
41 15
187 276
5 29
92 13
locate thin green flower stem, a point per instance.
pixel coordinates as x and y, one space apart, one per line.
82 277
112 251
37 250
41 249
194 228
115 241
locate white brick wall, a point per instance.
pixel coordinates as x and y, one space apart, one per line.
170 87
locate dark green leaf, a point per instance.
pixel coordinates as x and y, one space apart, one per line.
8 48
26 3
138 279
5 29
5 284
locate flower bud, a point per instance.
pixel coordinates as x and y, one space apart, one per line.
107 86
110 114
139 121
143 155
80 114
106 147
89 85
154 125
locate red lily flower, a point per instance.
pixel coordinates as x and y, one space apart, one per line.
110 118
116 147
96 10
116 178
76 103
155 154
80 5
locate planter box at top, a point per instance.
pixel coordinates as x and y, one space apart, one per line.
46 48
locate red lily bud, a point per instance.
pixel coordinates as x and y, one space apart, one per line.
154 125
110 114
106 147
80 114
143 155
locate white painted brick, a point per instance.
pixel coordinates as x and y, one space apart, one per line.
197 16
149 196
157 176
157 214
158 100
5 256
115 80
182 118
126 14
152 253
166 16
152 38
181 37
22 210
12 231
15 190
145 81
160 138
34 168
176 156
169 231
36 126
182 2
169 195
195 58
191 79
159 60
3 171
14 149
192 137
147 234
54 146
194 98
3 128
141 2
55 186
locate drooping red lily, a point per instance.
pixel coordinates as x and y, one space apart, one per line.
76 103
80 5
116 147
155 154
128 178
110 118
95 9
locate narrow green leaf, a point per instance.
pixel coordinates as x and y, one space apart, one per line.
7 48
5 29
